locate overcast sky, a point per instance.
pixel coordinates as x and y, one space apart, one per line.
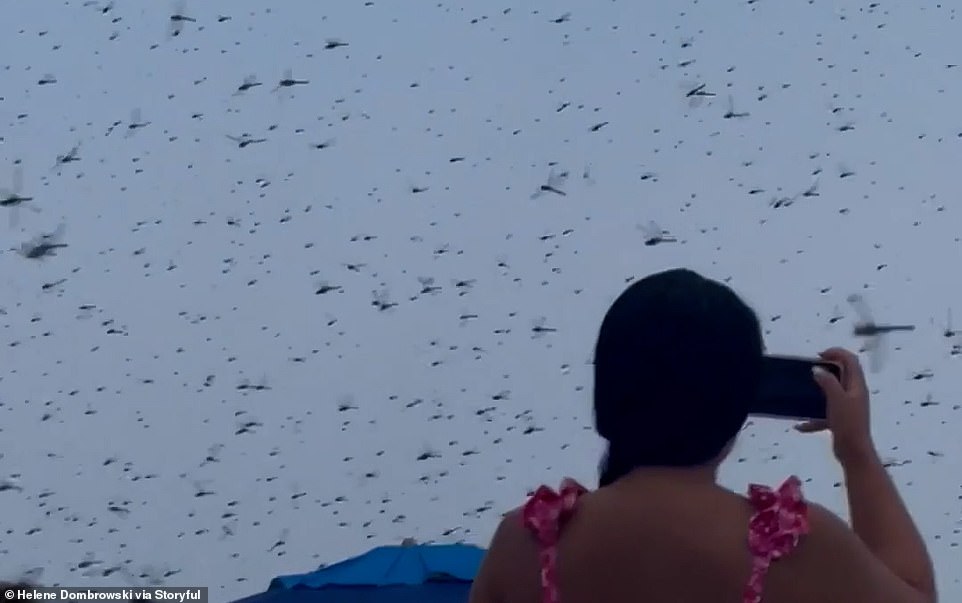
192 265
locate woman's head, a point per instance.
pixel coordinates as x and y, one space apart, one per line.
677 362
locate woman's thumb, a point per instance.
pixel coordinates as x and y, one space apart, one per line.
827 382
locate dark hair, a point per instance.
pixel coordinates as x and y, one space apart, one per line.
676 364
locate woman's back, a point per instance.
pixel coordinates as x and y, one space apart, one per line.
677 365
663 546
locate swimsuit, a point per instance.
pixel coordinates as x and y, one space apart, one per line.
779 521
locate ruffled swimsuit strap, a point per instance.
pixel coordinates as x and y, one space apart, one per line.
544 515
779 522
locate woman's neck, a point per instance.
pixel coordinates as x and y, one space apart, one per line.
706 474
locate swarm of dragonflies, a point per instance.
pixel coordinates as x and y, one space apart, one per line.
874 333
13 199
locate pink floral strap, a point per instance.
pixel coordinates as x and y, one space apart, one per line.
544 514
779 522
775 529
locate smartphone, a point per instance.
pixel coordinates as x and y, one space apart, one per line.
788 390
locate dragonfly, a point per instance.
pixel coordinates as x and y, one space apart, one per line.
213 454
10 484
949 332
555 181
731 113
201 488
538 327
245 139
777 202
150 575
427 285
249 82
466 317
382 300
135 123
13 199
323 145
696 93
463 285
812 190
288 81
178 17
586 175
29 576
247 426
260 386
69 157
655 234
332 43
324 287
873 332
844 171
44 245
846 127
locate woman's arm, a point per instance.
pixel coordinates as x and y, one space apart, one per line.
838 566
487 582
880 519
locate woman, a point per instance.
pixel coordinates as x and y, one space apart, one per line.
677 359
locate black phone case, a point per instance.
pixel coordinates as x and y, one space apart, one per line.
788 390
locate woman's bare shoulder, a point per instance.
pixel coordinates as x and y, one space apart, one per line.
511 531
496 572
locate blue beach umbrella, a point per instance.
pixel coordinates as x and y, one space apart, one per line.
409 573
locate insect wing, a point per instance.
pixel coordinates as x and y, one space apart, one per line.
876 348
651 230
861 308
54 237
556 180
17 180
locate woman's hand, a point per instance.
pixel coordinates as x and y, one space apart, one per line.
848 416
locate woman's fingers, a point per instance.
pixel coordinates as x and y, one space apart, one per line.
852 375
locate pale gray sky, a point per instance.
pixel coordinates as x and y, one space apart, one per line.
207 277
